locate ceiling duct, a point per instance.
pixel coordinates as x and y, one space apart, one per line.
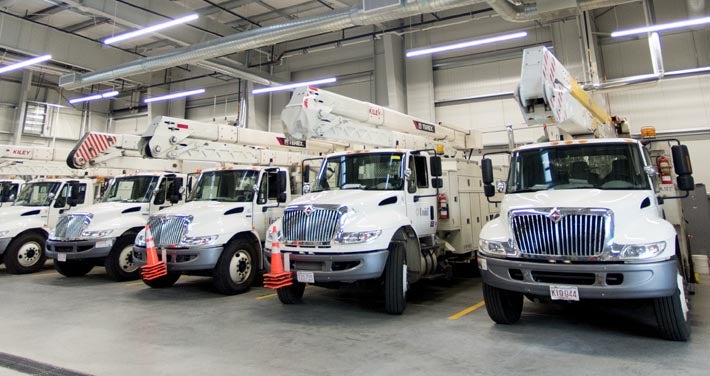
264 36
518 11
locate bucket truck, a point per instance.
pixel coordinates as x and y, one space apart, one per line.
403 210
581 218
219 231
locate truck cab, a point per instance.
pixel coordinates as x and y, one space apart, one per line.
581 219
103 233
25 225
9 188
218 232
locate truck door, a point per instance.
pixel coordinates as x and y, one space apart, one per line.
168 193
420 196
269 200
71 194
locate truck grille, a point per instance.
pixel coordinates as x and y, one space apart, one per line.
307 225
168 230
564 233
71 226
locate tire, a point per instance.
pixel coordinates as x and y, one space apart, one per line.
165 281
26 254
672 313
119 262
504 307
236 269
395 280
73 268
291 294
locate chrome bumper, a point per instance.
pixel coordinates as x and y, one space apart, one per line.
79 249
339 267
183 259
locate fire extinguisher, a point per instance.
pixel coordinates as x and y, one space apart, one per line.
664 169
443 207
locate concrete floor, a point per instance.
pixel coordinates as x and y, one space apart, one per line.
96 326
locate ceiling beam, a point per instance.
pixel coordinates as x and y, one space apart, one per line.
75 28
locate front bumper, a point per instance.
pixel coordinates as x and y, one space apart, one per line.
593 281
4 242
183 259
336 267
80 249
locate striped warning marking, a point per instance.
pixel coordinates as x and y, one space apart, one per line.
93 144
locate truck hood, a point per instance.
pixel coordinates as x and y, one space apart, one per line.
214 209
111 215
12 213
349 197
213 217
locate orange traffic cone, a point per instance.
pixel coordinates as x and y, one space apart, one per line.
277 277
153 268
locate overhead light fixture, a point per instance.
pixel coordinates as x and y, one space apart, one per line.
471 43
174 95
293 85
151 29
667 26
108 94
25 63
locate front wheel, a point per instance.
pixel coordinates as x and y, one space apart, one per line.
292 294
504 307
26 254
73 268
119 263
236 268
396 280
672 313
164 281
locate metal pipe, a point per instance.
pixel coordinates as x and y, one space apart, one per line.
526 12
264 36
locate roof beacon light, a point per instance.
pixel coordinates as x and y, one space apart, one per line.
293 85
174 95
471 43
151 29
25 63
659 27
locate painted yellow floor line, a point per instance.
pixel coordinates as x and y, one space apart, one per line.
466 311
134 283
42 274
265 296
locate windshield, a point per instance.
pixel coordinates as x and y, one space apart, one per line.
37 194
578 166
130 189
227 185
371 171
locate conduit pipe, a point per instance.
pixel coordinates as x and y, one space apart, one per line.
525 12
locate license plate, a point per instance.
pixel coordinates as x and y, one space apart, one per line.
103 243
564 293
305 277
61 257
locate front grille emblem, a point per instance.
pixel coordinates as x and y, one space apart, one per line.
555 215
308 210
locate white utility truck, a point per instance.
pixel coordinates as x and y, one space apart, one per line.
219 231
24 226
581 218
9 188
389 216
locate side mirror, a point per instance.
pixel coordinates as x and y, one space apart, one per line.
306 173
489 190
487 170
683 168
437 182
72 201
282 197
435 166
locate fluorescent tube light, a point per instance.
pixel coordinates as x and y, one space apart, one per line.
25 63
151 29
293 85
107 94
471 43
667 26
174 95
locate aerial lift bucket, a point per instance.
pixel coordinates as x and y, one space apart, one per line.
153 268
277 277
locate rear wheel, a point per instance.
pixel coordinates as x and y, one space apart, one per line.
236 268
164 281
292 294
672 313
504 307
73 268
26 254
119 263
396 280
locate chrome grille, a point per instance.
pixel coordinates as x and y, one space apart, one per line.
168 230
71 226
564 233
310 225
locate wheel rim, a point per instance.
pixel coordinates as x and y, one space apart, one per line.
240 266
125 259
682 298
29 254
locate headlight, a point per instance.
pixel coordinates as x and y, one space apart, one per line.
638 251
140 239
357 237
491 248
198 240
96 234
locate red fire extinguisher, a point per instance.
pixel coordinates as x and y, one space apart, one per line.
664 169
443 207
